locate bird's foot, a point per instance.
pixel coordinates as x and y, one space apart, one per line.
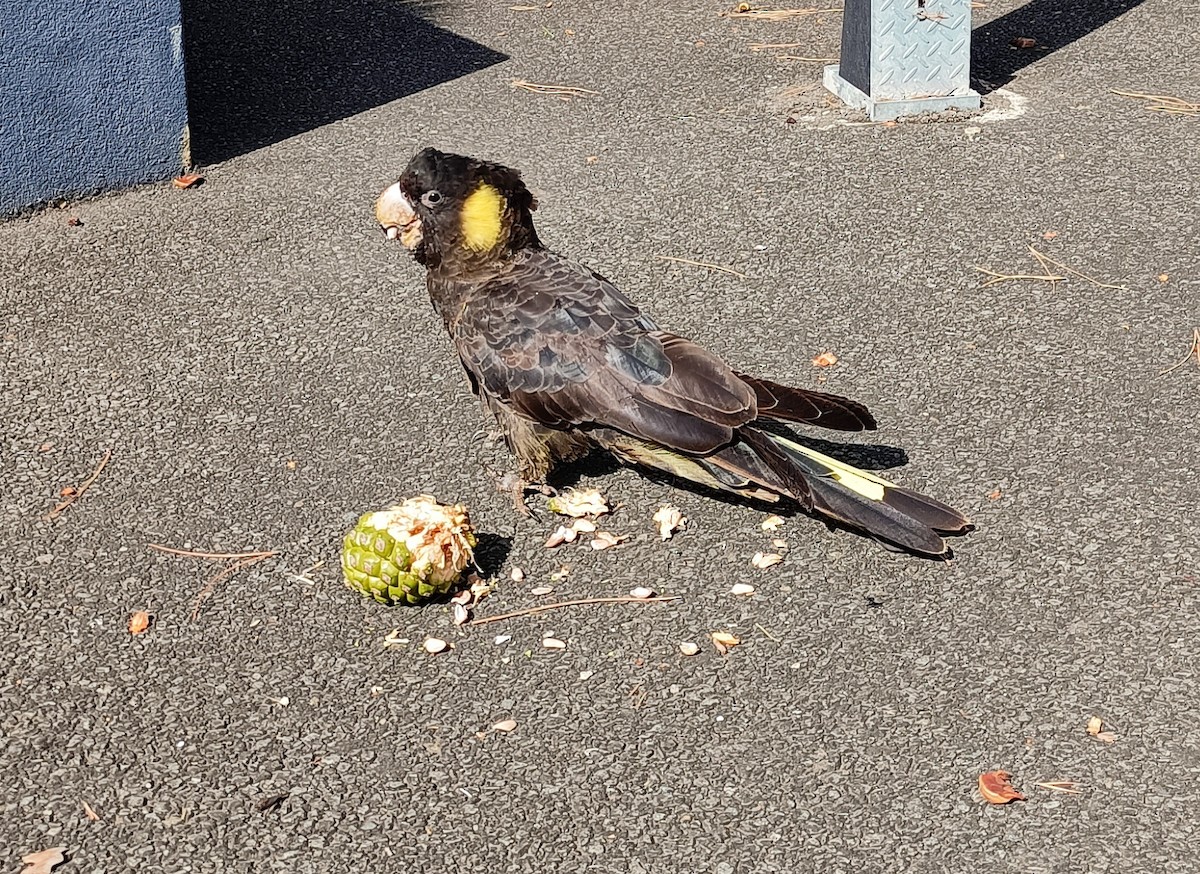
517 488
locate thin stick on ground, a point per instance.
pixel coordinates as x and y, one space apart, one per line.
1194 352
561 90
1012 277
710 266
1068 787
1044 259
801 58
766 46
76 493
218 556
543 608
1163 102
778 14
224 574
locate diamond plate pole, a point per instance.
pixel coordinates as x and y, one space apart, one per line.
904 57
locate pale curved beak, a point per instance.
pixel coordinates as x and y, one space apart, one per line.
397 217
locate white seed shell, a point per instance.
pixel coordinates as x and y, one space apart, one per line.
435 645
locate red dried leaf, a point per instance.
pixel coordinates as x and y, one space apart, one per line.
825 359
139 622
1024 42
995 788
188 180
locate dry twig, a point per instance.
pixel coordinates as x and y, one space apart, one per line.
801 58
728 270
1163 103
1194 352
561 90
744 10
219 556
76 493
542 608
224 574
1009 277
1068 787
1044 259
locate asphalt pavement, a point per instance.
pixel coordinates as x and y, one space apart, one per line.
262 366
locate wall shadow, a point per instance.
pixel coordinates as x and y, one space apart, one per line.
259 71
1053 23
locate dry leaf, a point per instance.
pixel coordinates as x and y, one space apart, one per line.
1024 42
517 574
434 645
1049 235
189 180
75 221
553 643
461 614
290 464
641 593
41 863
45 447
825 359
592 159
994 495
541 590
742 589
606 539
688 648
762 561
505 725
579 502
669 520
995 788
724 641
1163 277
139 622
67 492
1095 725
772 522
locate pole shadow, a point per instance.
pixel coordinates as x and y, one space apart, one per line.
1053 23
260 71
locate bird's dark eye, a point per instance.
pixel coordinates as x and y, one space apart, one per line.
431 198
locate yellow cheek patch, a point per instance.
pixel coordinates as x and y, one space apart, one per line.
481 213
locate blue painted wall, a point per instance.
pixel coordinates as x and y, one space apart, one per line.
91 96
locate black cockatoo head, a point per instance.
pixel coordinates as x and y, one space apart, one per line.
453 211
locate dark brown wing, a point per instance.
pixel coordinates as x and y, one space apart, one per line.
777 401
562 346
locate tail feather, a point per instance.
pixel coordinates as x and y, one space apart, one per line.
764 466
860 498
